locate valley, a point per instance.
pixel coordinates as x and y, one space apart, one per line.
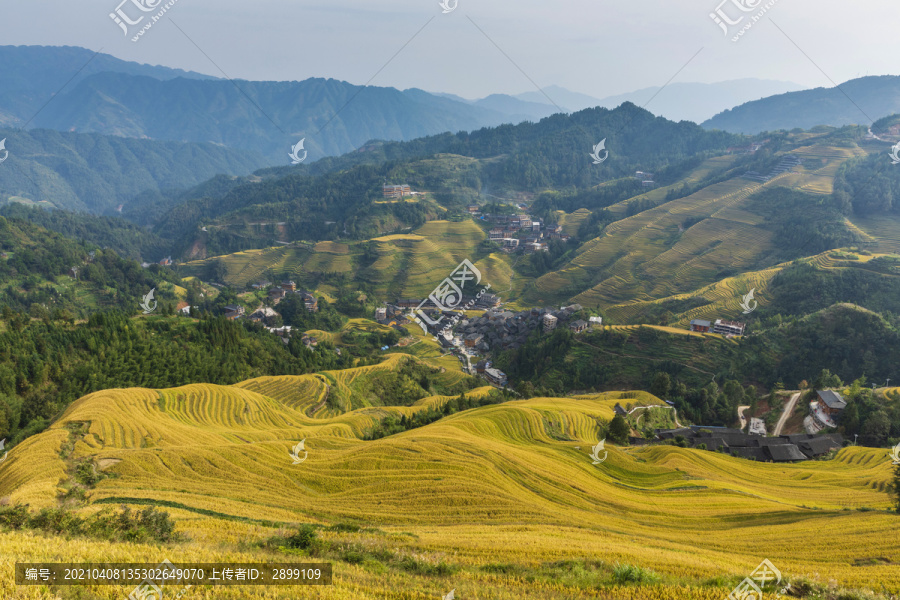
499 348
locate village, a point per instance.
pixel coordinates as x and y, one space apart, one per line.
752 441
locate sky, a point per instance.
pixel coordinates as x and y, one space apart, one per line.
482 47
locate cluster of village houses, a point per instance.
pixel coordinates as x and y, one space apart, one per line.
276 293
520 233
495 330
824 412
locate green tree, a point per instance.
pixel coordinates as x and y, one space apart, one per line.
877 428
619 430
827 379
662 383
850 418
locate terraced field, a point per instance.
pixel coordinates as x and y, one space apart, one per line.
884 231
658 194
651 254
690 242
508 484
723 298
405 265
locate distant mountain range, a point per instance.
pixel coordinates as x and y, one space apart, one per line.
858 101
96 173
695 102
115 97
32 75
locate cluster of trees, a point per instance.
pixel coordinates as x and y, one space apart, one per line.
44 366
125 238
330 206
875 419
709 404
36 257
868 186
804 224
841 338
392 425
338 201
558 253
412 382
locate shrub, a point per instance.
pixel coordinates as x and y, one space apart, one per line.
303 539
14 517
145 526
633 574
86 474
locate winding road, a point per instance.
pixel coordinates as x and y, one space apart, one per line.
788 411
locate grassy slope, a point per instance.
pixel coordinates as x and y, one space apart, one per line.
723 298
406 265
652 255
508 483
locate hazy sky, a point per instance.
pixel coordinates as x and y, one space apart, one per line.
597 47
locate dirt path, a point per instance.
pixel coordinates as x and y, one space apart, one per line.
741 416
788 411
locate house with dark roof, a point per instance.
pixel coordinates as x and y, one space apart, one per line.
831 403
758 454
619 410
233 311
713 444
820 445
671 434
784 453
579 326
788 448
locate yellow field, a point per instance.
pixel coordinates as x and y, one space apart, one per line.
724 297
406 265
684 244
506 484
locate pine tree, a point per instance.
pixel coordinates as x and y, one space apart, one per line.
619 430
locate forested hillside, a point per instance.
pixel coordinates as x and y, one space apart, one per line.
48 275
101 174
342 198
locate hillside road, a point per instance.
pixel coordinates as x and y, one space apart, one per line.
788 410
